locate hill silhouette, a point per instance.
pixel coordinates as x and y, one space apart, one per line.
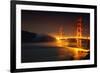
28 37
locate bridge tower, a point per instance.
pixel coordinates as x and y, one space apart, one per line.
79 32
61 33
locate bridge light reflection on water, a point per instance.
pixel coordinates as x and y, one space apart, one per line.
76 52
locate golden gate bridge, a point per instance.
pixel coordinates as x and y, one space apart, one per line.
78 51
78 36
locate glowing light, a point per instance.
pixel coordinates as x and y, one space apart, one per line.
57 38
79 53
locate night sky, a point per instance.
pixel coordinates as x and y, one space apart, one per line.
47 22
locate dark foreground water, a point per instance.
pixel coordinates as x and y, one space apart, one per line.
35 52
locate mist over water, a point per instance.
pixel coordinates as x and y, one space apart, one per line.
52 51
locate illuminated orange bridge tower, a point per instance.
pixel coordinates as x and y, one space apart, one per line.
79 32
61 32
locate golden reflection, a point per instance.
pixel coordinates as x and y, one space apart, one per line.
66 52
74 53
79 53
61 42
